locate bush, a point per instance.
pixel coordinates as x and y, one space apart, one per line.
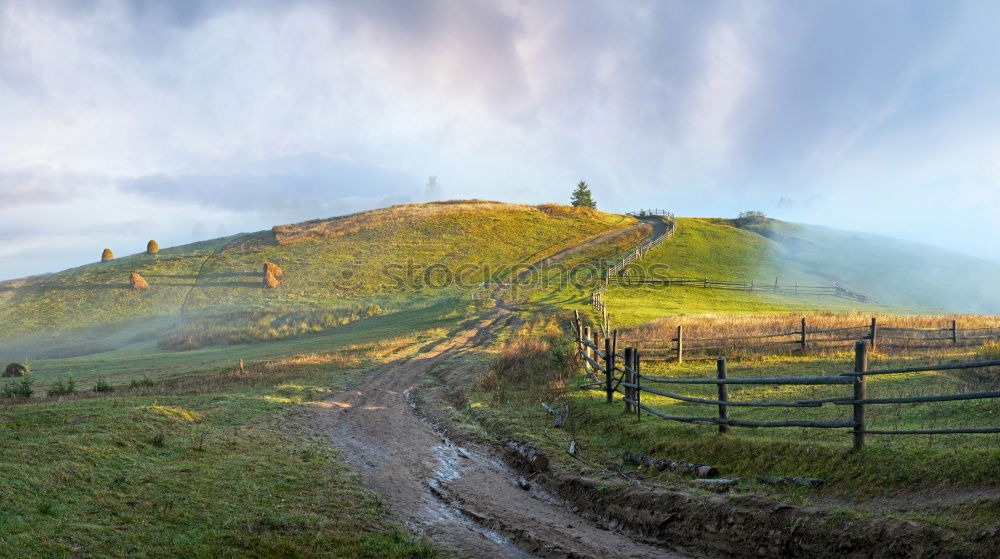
18 388
16 370
144 382
62 387
137 282
103 386
152 247
750 218
990 351
373 310
107 255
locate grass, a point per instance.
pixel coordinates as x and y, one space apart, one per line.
398 260
196 466
915 467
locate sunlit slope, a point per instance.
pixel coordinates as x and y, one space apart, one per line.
717 250
405 254
893 271
898 275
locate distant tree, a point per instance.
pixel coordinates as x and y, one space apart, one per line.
152 247
749 218
107 255
582 197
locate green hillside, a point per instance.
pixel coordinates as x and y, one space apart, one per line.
897 275
893 271
210 292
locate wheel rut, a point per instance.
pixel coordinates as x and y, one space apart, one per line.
458 496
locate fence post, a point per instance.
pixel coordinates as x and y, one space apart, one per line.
609 368
874 332
802 341
860 392
628 378
638 385
680 343
954 332
720 369
586 346
775 285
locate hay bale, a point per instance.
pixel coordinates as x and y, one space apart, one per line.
15 370
270 281
137 281
152 247
274 269
107 255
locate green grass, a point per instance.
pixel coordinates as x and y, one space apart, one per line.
718 250
397 266
202 467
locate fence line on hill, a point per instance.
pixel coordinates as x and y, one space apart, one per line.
618 275
680 347
626 379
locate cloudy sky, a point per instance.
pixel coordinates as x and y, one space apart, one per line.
125 121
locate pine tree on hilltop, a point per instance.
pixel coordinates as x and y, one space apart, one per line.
582 197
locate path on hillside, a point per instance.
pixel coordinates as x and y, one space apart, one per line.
569 251
460 497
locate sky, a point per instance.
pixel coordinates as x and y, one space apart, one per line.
122 121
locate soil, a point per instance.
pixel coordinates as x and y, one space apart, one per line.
457 494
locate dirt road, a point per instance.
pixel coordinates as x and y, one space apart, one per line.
460 497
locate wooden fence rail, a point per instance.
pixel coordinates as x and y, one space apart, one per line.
629 381
886 337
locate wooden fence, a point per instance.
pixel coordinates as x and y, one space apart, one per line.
613 372
632 280
885 337
642 249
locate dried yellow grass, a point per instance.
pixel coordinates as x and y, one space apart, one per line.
137 281
274 269
721 325
335 227
270 282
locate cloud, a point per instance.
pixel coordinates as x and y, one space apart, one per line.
258 111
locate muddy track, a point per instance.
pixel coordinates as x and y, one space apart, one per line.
459 496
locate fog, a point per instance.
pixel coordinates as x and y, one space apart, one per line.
128 120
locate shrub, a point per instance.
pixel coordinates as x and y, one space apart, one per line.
107 255
18 388
103 386
750 218
138 282
62 387
152 247
373 310
144 382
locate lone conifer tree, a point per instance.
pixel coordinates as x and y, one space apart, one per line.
581 196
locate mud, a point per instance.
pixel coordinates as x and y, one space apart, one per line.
458 495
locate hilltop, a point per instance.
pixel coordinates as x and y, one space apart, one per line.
336 271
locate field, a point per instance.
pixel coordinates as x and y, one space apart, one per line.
212 463
188 400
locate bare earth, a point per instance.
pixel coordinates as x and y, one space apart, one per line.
460 497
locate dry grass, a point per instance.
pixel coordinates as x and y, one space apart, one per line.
275 270
270 281
338 226
555 210
907 332
137 281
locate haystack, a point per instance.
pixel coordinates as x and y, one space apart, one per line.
15 370
137 281
152 247
107 255
269 280
274 269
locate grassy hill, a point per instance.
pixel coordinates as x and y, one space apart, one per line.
898 275
336 271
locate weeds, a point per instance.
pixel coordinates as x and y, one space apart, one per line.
62 387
